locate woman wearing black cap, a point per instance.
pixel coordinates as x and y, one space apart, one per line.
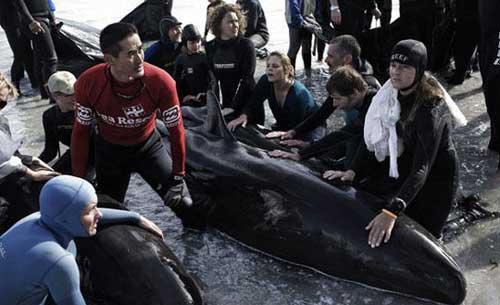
408 157
232 60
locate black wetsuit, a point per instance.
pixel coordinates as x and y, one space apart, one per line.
353 16
420 17
489 54
467 35
10 20
43 44
341 143
385 7
147 16
256 29
233 64
428 166
191 74
58 127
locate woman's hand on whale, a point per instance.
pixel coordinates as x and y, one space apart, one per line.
150 226
380 229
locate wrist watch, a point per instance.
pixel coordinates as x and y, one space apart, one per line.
334 8
178 178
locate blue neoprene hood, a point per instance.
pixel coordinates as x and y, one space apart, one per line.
62 201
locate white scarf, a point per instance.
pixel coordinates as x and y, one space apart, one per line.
380 124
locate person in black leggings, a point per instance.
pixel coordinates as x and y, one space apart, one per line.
489 60
10 21
38 22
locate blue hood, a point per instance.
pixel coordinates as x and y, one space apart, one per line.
62 201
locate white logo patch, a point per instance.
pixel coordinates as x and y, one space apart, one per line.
83 114
399 57
133 112
171 116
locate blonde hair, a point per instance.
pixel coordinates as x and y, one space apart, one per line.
5 83
285 62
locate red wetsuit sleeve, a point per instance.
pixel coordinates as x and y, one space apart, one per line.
80 137
172 117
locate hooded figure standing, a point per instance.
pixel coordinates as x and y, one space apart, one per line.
38 252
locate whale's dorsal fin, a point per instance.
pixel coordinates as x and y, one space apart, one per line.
215 123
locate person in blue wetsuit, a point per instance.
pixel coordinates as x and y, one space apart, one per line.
164 52
289 100
37 253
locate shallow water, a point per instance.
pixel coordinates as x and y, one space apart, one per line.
233 274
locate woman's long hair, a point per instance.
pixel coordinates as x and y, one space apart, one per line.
220 12
427 90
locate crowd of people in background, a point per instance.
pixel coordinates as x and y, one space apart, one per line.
396 141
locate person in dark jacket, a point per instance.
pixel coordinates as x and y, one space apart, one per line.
347 90
192 71
343 50
19 43
301 23
164 52
256 29
417 172
420 18
38 22
15 203
232 60
466 39
351 15
58 123
489 60
289 100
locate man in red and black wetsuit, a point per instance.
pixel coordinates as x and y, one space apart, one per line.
123 95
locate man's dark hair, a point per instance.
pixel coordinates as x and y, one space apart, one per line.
345 80
348 44
113 34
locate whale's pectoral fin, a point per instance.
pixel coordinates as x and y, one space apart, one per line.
215 123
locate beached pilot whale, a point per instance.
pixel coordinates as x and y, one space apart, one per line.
284 209
125 265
